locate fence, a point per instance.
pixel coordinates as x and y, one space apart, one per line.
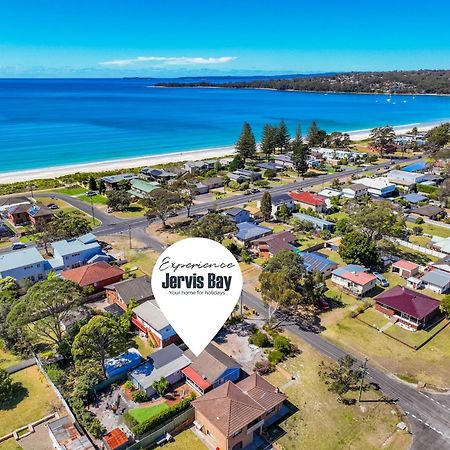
178 423
418 248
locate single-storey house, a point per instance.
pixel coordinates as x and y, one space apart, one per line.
314 261
248 231
411 309
330 193
405 269
112 181
123 292
269 166
120 365
437 280
213 183
141 188
319 224
155 174
210 369
441 244
442 264
198 166
379 186
231 415
278 200
429 211
65 435
150 320
309 200
354 279
96 275
354 190
284 161
414 198
270 245
237 215
166 363
241 175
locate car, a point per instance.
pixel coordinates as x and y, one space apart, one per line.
91 193
380 279
324 305
18 246
255 191
52 206
247 192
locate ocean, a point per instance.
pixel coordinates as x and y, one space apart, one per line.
53 122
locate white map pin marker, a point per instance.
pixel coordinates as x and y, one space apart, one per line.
197 283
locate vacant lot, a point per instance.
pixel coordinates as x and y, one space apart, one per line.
322 422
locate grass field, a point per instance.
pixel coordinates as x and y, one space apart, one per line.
76 190
144 413
47 200
322 422
428 228
134 210
34 399
7 359
186 440
96 199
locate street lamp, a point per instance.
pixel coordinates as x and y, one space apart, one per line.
92 211
31 187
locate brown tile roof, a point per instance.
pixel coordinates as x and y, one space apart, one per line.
230 408
92 273
139 289
278 241
427 211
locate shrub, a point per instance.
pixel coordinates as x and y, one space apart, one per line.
129 420
347 401
261 183
264 367
275 356
419 221
139 396
270 174
260 339
283 344
128 384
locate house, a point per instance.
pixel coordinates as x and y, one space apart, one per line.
66 436
232 415
414 282
405 269
166 363
248 231
354 190
270 245
418 166
237 215
437 280
242 175
441 244
96 275
210 369
116 439
141 188
124 292
39 216
318 223
76 315
18 214
112 181
407 180
270 166
379 186
278 200
198 166
330 193
429 211
9 202
411 310
158 175
337 154
414 198
314 261
284 161
442 264
309 200
120 365
25 264
5 231
210 183
150 320
354 279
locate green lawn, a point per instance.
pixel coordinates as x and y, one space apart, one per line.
373 317
434 230
76 190
143 345
7 359
96 199
47 200
423 241
134 210
276 227
5 243
144 413
34 399
186 440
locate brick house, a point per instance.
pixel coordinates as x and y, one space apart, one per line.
18 214
123 292
39 216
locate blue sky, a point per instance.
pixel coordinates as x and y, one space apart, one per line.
189 37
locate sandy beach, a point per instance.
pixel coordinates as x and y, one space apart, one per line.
151 160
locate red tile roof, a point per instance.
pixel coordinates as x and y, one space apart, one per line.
407 265
361 278
190 373
308 198
115 438
92 273
408 301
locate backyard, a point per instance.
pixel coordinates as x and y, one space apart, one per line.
186 440
146 412
433 230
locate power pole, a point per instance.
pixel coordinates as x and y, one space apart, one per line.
363 370
92 210
31 187
129 234
240 304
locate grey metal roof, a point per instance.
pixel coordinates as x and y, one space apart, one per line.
150 313
20 258
248 231
313 219
437 277
279 199
68 436
139 289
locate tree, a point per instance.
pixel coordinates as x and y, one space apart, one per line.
6 386
382 139
337 140
300 154
300 225
340 377
213 226
101 186
246 144
316 136
343 226
118 200
161 386
282 138
268 143
278 288
160 203
286 262
270 174
313 288
445 305
358 248
45 307
444 192
438 137
186 191
101 338
236 163
266 206
284 213
92 184
9 289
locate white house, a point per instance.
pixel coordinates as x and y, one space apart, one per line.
379 186
354 190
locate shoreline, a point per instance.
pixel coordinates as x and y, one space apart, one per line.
165 158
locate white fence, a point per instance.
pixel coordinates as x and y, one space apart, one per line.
418 248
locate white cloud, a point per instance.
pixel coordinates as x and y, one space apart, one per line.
168 60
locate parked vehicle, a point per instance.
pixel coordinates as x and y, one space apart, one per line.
380 279
324 305
255 191
91 193
18 246
53 206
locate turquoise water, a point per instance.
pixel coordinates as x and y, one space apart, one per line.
46 123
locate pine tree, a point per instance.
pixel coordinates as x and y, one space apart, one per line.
246 145
101 186
268 140
316 136
266 206
283 139
300 153
92 184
